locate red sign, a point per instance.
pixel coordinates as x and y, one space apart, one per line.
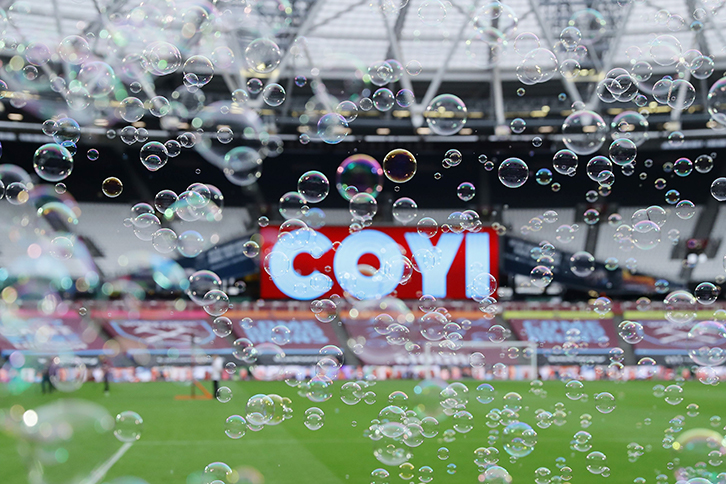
592 332
49 335
665 335
163 334
305 336
367 263
374 348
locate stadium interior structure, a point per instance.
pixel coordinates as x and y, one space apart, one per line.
230 214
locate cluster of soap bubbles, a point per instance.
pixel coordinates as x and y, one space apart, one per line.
152 43
198 203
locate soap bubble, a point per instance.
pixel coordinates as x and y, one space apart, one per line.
53 162
519 439
332 128
446 114
584 132
313 186
359 174
263 55
399 165
513 172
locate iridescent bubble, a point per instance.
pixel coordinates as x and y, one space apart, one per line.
565 162
242 166
363 206
198 70
427 227
405 210
383 99
599 168
681 94
112 187
582 264
446 115
292 205
414 67
380 73
251 249
399 165
161 58
222 326
541 276
129 426
313 186
359 174
718 189
673 394
52 162
190 243
466 191
591 24
224 394
405 98
646 234
263 55
254 85
540 65
716 101
37 54
543 176
66 129
273 94
623 151
432 12
596 462
348 110
518 125
215 302
332 128
495 475
519 439
513 172
74 50
153 155
280 335
217 472
706 293
710 336
525 43
631 331
703 164
314 418
584 132
235 427
665 50
98 78
131 109
631 125
165 200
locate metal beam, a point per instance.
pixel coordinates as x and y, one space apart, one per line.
330 19
307 26
680 99
498 96
569 86
608 63
394 39
418 109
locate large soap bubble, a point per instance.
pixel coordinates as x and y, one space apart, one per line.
446 114
584 132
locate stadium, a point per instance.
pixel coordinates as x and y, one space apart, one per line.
372 241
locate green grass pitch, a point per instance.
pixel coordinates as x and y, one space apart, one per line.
181 437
